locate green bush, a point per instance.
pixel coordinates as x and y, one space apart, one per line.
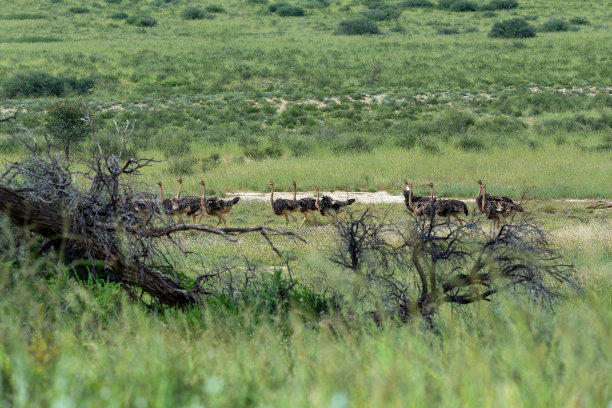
36 84
257 152
214 8
312 4
554 25
142 20
579 21
64 123
182 166
384 13
463 6
358 26
79 10
290 11
471 143
273 7
514 28
193 13
358 144
500 5
415 3
447 31
300 147
114 1
119 16
445 4
531 17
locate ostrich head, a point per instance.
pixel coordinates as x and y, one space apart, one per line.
479 182
202 183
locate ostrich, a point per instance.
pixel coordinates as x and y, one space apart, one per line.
190 205
216 206
421 206
416 200
307 205
447 207
169 205
144 207
496 207
331 207
281 206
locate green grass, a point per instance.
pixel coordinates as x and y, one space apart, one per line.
67 343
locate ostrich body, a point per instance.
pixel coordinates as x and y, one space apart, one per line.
216 206
143 206
169 205
281 206
307 205
190 205
330 207
412 201
496 208
448 207
422 206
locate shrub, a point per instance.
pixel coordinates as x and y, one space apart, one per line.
79 10
353 144
500 5
257 1
142 21
472 30
193 13
119 16
445 4
257 152
113 1
554 25
447 31
471 144
531 17
63 122
579 21
415 3
182 166
514 28
290 11
463 6
398 29
384 13
358 26
214 8
36 84
429 145
311 4
273 7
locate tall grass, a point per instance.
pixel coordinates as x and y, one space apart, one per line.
68 344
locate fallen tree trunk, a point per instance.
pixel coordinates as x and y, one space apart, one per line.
43 219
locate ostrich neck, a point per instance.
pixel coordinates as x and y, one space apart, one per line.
161 194
294 192
178 193
431 193
272 196
204 195
484 195
318 204
410 198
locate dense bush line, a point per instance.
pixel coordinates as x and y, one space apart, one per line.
37 84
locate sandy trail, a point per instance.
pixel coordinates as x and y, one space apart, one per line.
379 197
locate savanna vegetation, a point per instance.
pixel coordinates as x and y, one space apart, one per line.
102 307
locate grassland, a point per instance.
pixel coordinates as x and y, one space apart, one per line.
249 96
293 99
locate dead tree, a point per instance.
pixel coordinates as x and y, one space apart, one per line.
417 267
98 230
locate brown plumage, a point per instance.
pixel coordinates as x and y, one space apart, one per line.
282 206
423 206
143 205
417 201
496 208
448 207
190 205
216 206
330 207
169 205
307 205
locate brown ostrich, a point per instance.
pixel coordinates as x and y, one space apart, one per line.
282 206
216 206
307 205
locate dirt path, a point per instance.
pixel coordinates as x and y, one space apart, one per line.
379 197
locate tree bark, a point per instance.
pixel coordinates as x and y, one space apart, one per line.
47 221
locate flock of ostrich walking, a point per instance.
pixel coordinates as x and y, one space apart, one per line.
495 208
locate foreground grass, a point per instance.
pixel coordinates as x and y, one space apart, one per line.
71 344
67 345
